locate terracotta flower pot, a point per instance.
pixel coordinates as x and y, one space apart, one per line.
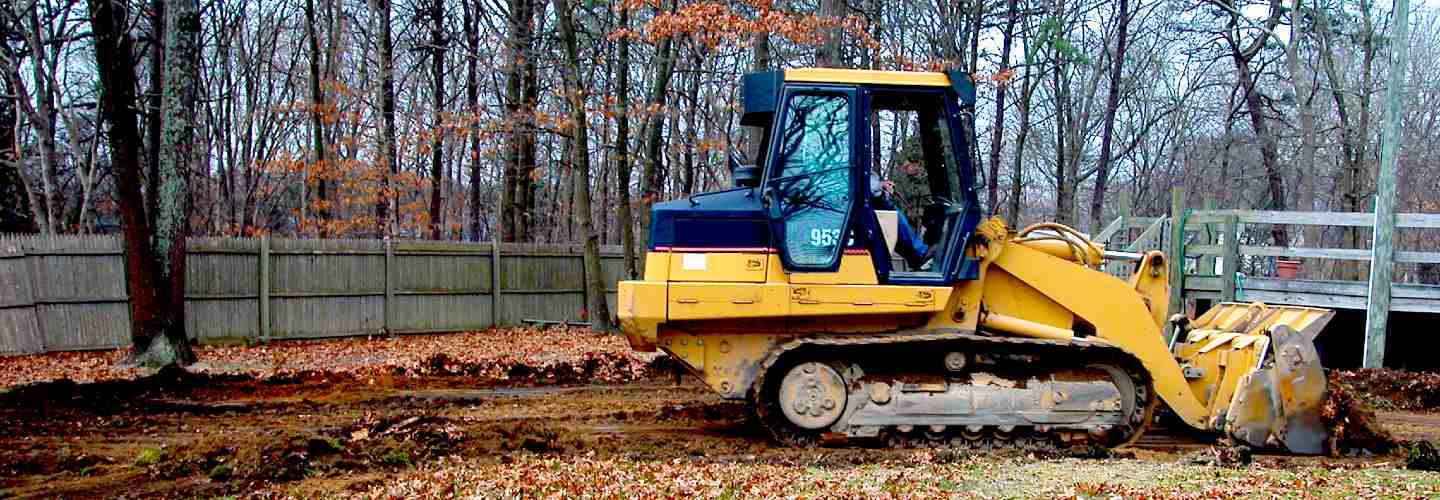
1287 269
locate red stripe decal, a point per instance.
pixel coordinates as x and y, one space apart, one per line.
717 249
848 251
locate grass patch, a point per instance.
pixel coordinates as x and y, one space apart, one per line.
148 457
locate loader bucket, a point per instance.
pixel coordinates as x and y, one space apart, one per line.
1273 383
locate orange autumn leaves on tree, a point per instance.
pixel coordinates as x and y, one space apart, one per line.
715 23
357 174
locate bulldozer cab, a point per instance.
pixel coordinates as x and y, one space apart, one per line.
828 135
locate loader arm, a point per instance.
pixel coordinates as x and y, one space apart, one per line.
1116 311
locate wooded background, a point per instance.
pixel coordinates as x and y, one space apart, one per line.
458 119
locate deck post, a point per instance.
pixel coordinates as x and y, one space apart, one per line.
1377 307
1177 256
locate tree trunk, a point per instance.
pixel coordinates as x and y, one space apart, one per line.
687 182
622 148
1017 185
318 111
41 114
521 86
437 142
152 114
596 308
472 109
389 163
828 53
179 152
15 216
997 136
154 254
1353 134
652 178
1269 156
1304 87
1112 104
1064 196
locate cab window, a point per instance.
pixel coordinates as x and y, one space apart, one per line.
812 180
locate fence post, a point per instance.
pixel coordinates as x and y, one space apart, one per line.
1125 213
1177 254
584 286
389 287
1206 264
264 288
494 281
1230 257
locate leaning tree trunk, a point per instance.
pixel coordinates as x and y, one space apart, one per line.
595 306
1112 103
997 137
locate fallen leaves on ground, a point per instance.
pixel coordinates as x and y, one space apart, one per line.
493 355
919 475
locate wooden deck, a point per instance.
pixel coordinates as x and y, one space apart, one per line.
1221 263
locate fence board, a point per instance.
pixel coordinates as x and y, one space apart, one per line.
315 317
95 325
517 307
19 332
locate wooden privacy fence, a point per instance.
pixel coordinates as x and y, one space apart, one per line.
68 292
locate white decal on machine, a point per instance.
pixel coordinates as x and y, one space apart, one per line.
693 262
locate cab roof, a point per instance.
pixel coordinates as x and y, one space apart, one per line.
866 76
760 92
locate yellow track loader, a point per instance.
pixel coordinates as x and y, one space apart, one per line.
786 291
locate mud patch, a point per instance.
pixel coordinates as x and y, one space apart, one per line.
369 443
27 460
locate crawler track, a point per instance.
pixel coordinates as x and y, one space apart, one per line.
902 348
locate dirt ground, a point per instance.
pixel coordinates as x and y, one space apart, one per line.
457 435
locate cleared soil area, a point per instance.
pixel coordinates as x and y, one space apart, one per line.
542 430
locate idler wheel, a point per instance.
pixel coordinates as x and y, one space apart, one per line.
812 395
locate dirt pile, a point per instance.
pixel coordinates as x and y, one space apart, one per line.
585 367
489 356
1351 420
1393 389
